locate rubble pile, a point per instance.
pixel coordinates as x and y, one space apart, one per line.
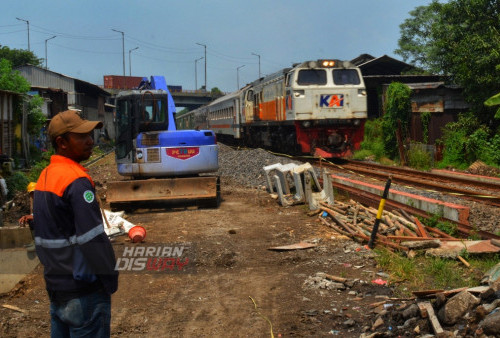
463 312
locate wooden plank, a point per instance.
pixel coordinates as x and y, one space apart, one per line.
436 326
421 229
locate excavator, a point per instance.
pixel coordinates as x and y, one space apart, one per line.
160 163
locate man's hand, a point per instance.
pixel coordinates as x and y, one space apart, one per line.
23 221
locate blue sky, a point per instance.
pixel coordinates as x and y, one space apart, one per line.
282 32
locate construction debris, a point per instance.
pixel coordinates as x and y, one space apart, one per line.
305 184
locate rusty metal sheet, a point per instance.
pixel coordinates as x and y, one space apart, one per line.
422 107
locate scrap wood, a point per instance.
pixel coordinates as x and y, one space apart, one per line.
495 242
334 208
461 259
14 308
296 246
388 220
426 293
436 326
314 212
420 228
405 230
355 217
415 238
406 215
438 232
334 227
338 221
374 305
336 278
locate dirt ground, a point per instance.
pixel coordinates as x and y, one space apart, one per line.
231 267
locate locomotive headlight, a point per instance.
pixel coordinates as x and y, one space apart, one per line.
139 154
327 63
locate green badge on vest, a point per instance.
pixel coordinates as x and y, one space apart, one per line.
88 196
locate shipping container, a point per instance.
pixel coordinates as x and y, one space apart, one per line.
121 82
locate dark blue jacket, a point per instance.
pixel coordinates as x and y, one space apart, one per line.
69 233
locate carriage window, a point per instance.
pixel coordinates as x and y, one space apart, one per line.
311 77
345 76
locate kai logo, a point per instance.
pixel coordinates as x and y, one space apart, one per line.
331 101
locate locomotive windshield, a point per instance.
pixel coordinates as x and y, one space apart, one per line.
346 77
311 77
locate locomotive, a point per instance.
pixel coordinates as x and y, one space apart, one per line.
316 108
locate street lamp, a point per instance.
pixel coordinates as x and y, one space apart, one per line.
196 73
28 23
259 62
238 76
205 46
46 67
130 61
123 47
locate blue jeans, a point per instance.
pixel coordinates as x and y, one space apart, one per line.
85 316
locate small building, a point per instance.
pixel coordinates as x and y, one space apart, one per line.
429 94
62 92
385 70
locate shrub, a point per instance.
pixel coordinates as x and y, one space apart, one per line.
373 143
419 158
15 183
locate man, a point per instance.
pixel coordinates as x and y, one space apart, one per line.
78 259
28 219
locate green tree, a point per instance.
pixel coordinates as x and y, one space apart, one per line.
216 92
12 79
416 44
461 39
19 57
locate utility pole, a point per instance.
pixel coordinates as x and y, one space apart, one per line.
196 73
259 62
28 23
123 47
205 46
238 76
130 61
46 62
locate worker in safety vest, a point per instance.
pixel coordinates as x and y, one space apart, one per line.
78 259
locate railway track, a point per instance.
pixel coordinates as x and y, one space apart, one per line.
467 188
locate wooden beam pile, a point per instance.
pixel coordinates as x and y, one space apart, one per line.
355 220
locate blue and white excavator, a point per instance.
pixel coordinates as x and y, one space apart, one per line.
161 162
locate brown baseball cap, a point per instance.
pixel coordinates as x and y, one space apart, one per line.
71 121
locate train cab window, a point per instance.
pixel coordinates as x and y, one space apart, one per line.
345 77
250 95
308 77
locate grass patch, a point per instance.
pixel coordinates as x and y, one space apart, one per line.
427 273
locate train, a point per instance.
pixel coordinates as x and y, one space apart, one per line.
316 108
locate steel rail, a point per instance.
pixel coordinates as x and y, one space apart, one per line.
427 182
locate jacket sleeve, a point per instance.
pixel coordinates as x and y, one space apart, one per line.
89 233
